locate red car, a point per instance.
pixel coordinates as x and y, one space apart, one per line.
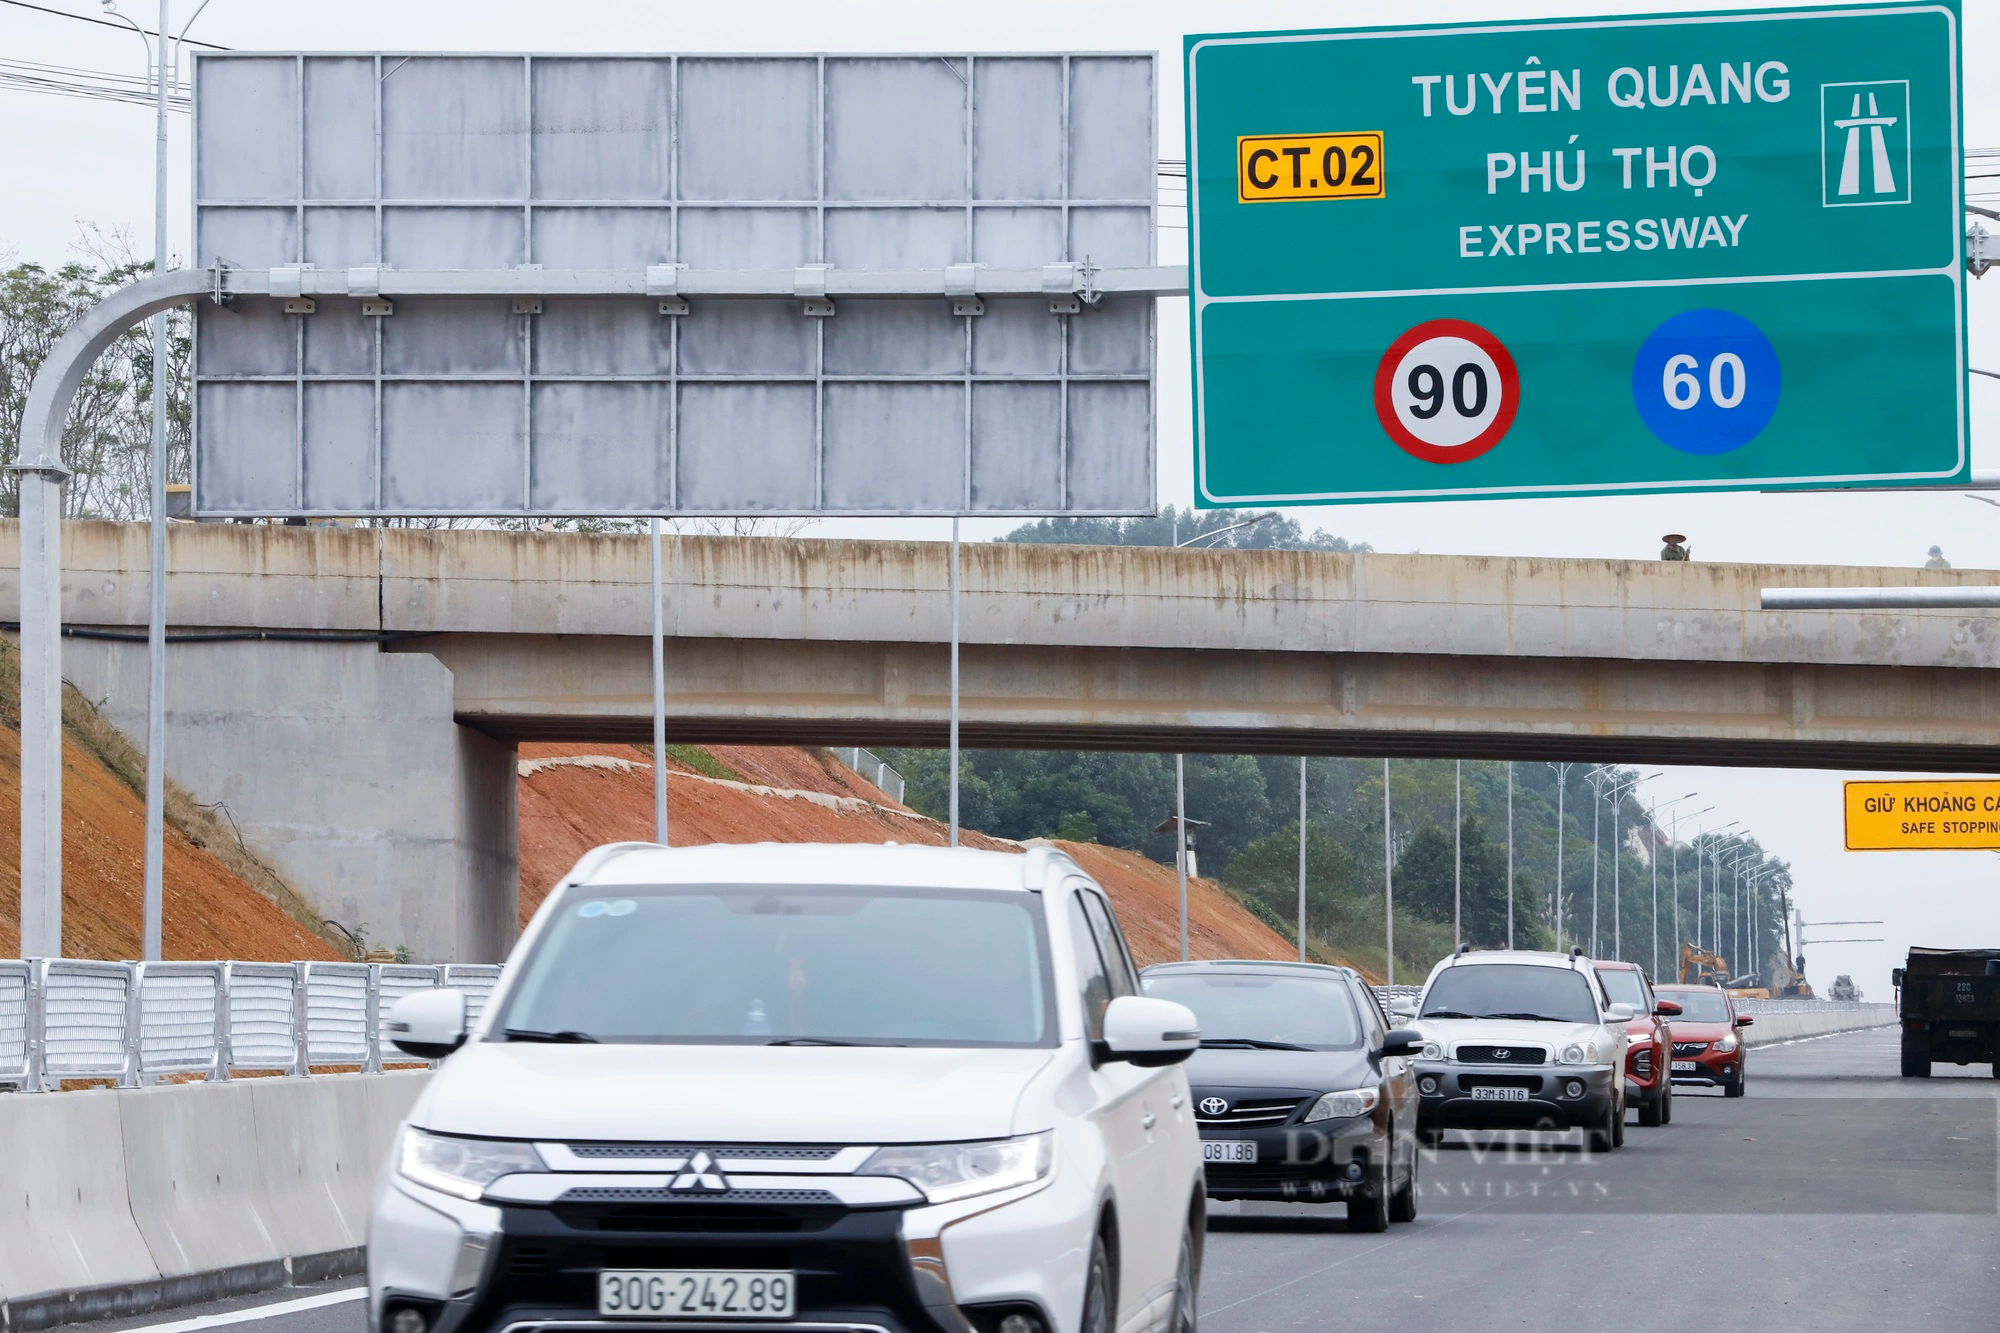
1707 1049
1647 1085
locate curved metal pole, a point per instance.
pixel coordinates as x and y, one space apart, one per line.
40 474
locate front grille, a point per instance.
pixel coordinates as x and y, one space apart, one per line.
1504 1055
643 1214
759 1151
1642 1063
634 1194
1532 1082
1690 1047
1224 1175
1247 1114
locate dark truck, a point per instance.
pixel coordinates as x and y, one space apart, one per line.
1950 1009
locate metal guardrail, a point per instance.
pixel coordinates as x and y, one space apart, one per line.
1386 994
65 1018
873 767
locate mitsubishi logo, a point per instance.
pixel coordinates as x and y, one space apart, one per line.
701 1176
1213 1106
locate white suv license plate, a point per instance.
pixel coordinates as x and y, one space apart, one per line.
1228 1150
696 1293
1499 1094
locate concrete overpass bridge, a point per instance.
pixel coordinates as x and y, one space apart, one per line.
355 696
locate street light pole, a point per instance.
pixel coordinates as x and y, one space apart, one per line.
1458 860
1653 820
163 55
1388 879
1562 788
1510 853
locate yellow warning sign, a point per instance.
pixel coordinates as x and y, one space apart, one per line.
1954 815
1309 166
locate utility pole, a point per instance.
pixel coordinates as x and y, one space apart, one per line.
659 698
1562 788
1458 858
1180 847
1302 858
954 731
1388 880
1510 853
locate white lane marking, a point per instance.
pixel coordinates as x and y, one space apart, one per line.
270 1311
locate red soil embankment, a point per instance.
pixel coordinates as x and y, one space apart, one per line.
575 797
208 912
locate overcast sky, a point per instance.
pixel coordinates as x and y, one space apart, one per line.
69 162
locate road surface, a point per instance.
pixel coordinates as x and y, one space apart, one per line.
1834 1196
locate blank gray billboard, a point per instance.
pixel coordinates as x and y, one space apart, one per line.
623 405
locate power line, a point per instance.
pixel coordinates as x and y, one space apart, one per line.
102 23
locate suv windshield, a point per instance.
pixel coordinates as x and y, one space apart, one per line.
754 965
1622 985
1316 1013
1511 990
1698 1006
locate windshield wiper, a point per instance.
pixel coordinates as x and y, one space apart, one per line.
828 1041
1451 1013
568 1036
1532 1018
1251 1043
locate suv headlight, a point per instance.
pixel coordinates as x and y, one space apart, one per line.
948 1171
1579 1053
1433 1050
464 1167
1344 1105
1725 1045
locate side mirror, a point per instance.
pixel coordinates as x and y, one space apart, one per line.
1620 1013
1147 1032
429 1025
1403 1006
1667 1009
1402 1041
1744 1020
1896 977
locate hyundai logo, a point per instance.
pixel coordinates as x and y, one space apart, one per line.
1213 1106
1502 1053
701 1177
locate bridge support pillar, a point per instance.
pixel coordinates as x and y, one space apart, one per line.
340 766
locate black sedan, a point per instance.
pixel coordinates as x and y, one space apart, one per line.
1302 1092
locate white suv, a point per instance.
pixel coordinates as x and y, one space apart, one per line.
872 1089
1515 1039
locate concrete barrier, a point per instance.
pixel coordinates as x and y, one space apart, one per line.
116 1203
65 1214
1791 1023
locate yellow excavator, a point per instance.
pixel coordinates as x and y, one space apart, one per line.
1699 967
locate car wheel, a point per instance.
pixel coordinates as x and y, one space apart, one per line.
1734 1088
1403 1203
1917 1059
1182 1319
1098 1297
1603 1135
1652 1109
1618 1125
1370 1213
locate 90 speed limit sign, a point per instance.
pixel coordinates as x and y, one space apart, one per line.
1446 391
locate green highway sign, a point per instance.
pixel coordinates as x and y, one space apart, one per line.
1661 253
